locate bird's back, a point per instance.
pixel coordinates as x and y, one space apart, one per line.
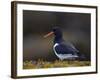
65 48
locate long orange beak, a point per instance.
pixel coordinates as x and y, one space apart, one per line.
47 35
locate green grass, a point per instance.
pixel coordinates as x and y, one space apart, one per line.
57 63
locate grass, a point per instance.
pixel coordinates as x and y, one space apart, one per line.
57 63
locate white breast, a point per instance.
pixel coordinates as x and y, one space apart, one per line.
56 44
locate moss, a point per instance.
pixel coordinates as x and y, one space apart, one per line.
57 63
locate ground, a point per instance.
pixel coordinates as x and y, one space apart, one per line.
57 63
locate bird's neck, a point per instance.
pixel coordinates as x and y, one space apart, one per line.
58 39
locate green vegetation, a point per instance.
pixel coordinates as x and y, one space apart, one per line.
57 63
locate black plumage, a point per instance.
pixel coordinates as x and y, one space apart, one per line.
64 50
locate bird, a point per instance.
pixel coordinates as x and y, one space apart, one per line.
62 49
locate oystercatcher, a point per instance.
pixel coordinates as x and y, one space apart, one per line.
63 50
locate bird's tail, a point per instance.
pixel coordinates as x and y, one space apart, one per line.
81 56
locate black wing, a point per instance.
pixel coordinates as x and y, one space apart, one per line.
64 48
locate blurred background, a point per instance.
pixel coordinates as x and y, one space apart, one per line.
76 28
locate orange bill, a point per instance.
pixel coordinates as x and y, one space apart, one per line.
47 35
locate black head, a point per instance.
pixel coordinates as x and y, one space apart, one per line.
57 32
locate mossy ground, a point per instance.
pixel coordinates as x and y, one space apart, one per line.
57 63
